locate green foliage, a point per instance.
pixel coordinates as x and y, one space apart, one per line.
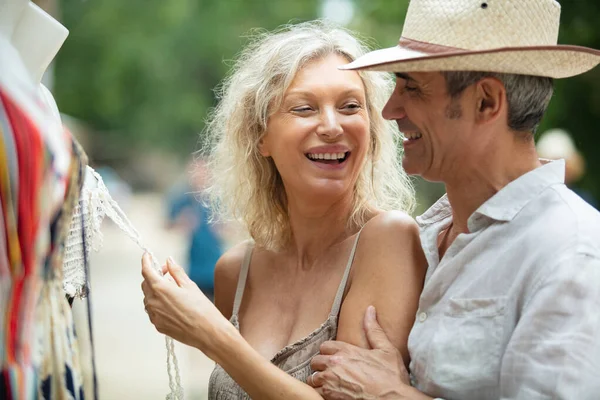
142 72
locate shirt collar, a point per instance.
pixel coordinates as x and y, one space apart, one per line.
440 210
511 199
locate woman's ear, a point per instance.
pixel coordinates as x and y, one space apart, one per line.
263 147
491 100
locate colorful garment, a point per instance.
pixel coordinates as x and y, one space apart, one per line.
38 190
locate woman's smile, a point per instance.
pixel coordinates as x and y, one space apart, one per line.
331 157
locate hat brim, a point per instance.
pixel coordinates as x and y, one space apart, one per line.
561 61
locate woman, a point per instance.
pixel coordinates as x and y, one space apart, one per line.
302 155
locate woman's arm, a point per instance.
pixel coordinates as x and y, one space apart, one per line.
257 375
180 310
388 273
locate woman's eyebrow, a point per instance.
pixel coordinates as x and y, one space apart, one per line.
349 90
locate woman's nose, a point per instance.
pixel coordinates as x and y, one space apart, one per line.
329 125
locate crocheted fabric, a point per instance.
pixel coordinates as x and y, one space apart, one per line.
84 234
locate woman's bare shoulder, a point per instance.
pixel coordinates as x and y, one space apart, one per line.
227 273
391 241
393 219
394 222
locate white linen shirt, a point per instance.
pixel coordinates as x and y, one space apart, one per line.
512 311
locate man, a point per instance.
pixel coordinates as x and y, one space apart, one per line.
510 303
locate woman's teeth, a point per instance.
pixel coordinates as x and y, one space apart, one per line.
326 156
413 136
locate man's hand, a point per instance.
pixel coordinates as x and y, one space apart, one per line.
344 371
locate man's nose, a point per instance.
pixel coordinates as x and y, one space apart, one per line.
330 126
394 108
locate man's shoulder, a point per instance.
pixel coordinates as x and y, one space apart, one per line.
573 217
551 239
561 225
577 205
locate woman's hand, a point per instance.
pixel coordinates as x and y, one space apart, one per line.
177 308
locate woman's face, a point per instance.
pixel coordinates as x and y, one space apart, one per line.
319 137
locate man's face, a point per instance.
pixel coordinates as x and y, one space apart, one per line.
437 129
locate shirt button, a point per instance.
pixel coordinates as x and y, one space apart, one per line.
422 316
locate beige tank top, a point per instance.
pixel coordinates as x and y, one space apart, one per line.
294 358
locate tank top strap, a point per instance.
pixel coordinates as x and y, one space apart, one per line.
337 303
239 292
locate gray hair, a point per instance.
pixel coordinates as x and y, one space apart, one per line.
528 96
245 185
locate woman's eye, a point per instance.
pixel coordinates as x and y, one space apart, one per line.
352 106
302 109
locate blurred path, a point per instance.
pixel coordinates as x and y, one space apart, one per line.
130 354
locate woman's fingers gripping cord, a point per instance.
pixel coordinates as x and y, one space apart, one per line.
178 274
148 271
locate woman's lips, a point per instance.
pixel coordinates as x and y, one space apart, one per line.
329 164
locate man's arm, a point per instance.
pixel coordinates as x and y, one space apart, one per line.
554 351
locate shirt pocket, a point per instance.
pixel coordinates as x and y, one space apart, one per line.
465 352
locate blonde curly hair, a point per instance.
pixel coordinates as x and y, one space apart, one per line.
246 186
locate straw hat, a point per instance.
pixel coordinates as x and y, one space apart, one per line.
509 36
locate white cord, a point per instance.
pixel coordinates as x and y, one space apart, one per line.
114 212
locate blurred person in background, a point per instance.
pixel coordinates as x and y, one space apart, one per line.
187 212
303 156
557 144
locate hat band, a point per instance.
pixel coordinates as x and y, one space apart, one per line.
424 47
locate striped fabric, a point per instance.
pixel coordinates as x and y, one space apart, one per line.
38 345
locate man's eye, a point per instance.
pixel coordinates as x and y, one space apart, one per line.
411 88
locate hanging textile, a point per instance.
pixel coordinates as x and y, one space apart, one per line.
38 190
47 223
